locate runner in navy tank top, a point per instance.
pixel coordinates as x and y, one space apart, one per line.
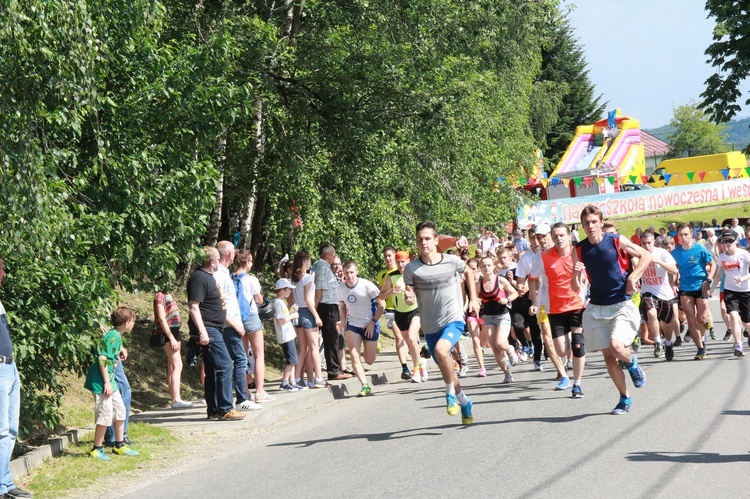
611 319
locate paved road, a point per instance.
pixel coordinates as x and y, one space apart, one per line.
686 436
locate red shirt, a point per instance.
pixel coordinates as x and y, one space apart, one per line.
559 271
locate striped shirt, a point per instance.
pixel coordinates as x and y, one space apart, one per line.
326 281
171 310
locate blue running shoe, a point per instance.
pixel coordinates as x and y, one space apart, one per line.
623 406
531 350
576 392
636 373
466 417
564 384
452 405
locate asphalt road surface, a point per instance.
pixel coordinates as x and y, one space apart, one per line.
686 436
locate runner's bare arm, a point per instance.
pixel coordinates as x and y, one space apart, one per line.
472 285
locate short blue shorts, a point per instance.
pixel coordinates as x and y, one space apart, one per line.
306 319
361 331
253 324
451 332
290 352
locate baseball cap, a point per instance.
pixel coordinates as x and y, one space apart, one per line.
543 229
729 235
284 283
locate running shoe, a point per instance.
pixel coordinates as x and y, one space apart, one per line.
712 334
463 370
482 373
669 352
263 397
636 344
569 365
125 451
701 354
248 405
288 387
678 342
415 376
538 365
452 404
524 355
658 350
424 352
365 391
738 352
181 404
576 392
301 387
508 378
100 455
623 406
466 416
531 351
321 383
406 374
727 335
513 356
687 338
564 384
423 372
636 373
463 357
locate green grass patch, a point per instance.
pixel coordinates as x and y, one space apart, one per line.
75 470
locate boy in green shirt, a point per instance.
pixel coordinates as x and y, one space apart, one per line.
100 379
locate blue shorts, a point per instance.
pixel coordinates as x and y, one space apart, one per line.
361 331
253 324
306 319
290 352
451 332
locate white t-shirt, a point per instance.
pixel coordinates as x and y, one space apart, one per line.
655 279
286 332
735 265
358 301
251 287
740 230
229 293
299 291
537 273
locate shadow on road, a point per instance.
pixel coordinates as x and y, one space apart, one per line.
689 457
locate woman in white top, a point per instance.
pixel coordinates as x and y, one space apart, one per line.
307 323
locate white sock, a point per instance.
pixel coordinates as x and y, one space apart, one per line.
449 389
462 398
576 382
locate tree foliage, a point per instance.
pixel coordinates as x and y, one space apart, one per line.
694 133
358 119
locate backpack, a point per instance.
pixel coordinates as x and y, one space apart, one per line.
244 304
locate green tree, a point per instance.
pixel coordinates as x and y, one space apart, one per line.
566 91
694 133
730 55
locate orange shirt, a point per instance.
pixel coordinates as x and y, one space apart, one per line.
559 271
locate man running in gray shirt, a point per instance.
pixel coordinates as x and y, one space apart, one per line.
435 279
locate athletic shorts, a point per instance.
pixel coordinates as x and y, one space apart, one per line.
541 315
474 318
252 324
451 332
390 318
290 352
403 319
693 294
664 309
306 319
738 301
562 324
497 320
361 331
108 409
603 323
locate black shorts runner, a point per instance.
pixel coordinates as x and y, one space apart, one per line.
403 319
561 324
664 309
738 301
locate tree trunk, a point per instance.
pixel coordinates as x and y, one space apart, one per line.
246 232
214 223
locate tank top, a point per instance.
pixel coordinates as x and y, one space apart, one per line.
399 301
491 299
612 265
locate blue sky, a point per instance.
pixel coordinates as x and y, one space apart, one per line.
645 56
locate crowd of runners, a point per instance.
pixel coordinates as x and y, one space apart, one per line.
545 293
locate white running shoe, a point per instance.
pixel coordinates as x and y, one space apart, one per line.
513 356
464 369
508 378
423 372
181 404
249 405
263 397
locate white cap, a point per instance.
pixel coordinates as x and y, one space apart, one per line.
284 283
542 229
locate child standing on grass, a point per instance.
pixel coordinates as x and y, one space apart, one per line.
285 334
100 380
